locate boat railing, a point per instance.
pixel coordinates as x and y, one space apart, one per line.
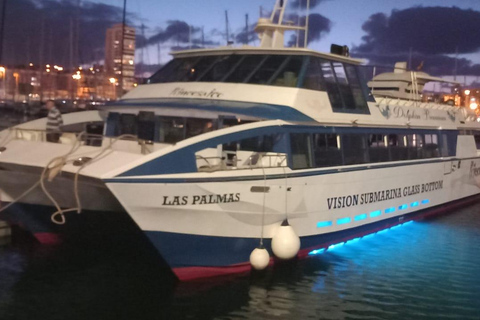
230 161
87 139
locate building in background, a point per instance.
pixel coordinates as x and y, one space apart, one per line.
116 68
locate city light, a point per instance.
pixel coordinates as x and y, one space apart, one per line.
112 80
467 92
473 105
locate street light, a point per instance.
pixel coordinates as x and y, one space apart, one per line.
3 75
113 81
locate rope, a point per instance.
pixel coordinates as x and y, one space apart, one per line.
263 206
286 193
51 170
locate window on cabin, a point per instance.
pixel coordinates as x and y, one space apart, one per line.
378 150
430 148
356 88
247 66
326 150
267 69
171 130
222 66
398 147
331 85
354 149
198 69
300 144
287 74
128 124
415 146
313 75
195 126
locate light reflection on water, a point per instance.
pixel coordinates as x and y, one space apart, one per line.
423 270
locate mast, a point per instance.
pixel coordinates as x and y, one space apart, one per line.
226 26
120 87
2 29
246 28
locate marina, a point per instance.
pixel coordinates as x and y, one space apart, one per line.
257 179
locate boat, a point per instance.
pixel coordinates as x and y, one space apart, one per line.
232 156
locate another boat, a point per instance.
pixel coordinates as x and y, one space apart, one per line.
226 149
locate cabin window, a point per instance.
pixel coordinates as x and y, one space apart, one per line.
378 150
128 124
313 76
355 85
195 126
171 129
247 65
326 150
267 69
354 149
300 144
220 68
287 74
331 86
430 149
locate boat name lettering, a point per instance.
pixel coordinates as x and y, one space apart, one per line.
191 93
382 195
200 199
409 114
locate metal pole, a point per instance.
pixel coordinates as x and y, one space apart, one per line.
121 49
2 28
306 23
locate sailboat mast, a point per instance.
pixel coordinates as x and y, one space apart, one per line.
121 48
2 28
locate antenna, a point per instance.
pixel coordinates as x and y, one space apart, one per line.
246 28
306 24
226 26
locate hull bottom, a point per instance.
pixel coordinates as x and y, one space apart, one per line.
194 257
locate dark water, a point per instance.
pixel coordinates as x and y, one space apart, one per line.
423 270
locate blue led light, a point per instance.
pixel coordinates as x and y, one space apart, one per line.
425 201
322 224
389 210
414 204
332 246
344 220
361 217
375 213
318 251
403 206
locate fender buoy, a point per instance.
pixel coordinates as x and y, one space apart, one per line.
259 258
285 242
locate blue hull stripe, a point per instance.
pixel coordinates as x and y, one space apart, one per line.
308 173
258 110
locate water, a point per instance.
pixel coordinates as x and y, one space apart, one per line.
422 270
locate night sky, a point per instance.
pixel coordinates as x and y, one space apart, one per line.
381 31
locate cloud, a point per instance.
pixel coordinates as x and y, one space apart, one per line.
244 37
318 26
431 33
41 30
431 30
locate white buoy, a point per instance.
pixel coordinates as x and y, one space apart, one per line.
285 242
259 258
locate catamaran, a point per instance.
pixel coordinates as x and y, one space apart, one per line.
228 157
